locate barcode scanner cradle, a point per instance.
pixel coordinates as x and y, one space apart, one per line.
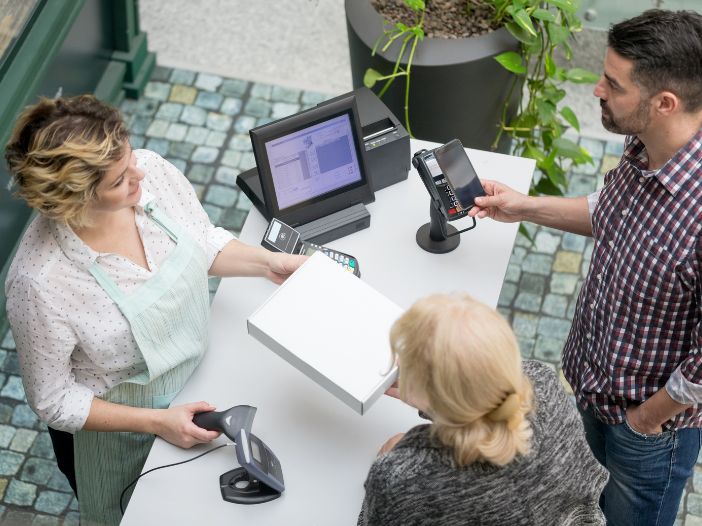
450 179
260 477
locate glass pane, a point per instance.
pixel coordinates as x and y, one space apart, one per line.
14 16
600 14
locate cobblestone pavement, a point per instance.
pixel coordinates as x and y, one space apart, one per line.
200 123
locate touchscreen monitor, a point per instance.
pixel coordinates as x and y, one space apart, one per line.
312 164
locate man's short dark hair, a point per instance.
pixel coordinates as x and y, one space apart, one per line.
666 49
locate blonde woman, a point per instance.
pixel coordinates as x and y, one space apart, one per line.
107 295
505 445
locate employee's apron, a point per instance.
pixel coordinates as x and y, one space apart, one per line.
168 316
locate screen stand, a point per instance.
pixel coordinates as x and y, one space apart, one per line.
336 225
437 236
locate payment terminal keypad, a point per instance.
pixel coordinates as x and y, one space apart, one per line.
347 262
448 198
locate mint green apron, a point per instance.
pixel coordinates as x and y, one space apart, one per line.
168 316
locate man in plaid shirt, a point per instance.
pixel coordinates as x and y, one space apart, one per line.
634 353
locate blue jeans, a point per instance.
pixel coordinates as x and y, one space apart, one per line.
647 473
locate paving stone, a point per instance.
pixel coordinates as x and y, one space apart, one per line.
72 519
139 125
694 503
615 148
283 109
160 146
11 363
248 160
546 243
600 182
208 100
213 212
158 128
208 82
160 73
205 154
10 462
526 347
537 264
23 416
528 301
39 471
199 190
169 111
182 76
313 97
176 132
594 146
74 504
586 168
513 273
42 446
216 139
8 342
157 90
219 122
285 94
226 175
197 135
532 283
180 164
194 116
233 87
231 158
5 413
182 94
553 328
507 294
18 518
20 493
691 520
221 195
548 349
567 262
244 203
697 479
571 308
137 141
525 324
7 433
128 106
563 283
23 440
52 502
146 107
3 487
580 185
231 106
200 173
555 305
518 255
609 162
13 389
573 242
233 219
240 142
262 91
46 520
264 120
181 149
257 107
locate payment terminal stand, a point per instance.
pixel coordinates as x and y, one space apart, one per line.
437 236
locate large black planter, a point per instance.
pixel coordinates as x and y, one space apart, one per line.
457 88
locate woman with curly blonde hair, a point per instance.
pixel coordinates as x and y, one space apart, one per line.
505 445
107 294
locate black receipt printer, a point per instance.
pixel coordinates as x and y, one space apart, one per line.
386 144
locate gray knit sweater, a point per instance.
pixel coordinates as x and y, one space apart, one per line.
558 483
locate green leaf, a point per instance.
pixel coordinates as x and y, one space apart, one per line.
569 6
567 148
557 33
545 186
523 231
544 14
556 175
549 65
512 61
567 51
417 5
570 117
522 19
401 27
519 33
547 111
554 94
418 32
532 152
581 76
371 77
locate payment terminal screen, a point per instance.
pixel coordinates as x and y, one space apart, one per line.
313 161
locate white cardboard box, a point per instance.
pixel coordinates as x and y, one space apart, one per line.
333 327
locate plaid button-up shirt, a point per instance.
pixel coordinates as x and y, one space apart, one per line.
638 314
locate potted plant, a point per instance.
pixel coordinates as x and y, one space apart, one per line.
499 90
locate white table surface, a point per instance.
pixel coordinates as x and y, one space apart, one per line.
324 447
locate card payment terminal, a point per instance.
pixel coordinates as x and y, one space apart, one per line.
280 237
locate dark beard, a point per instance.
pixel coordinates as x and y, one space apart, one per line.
632 124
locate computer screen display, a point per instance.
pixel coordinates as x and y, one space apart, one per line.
313 161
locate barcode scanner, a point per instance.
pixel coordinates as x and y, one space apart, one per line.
260 477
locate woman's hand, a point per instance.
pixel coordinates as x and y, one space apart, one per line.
281 265
391 443
175 425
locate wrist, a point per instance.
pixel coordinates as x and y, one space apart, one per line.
154 421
